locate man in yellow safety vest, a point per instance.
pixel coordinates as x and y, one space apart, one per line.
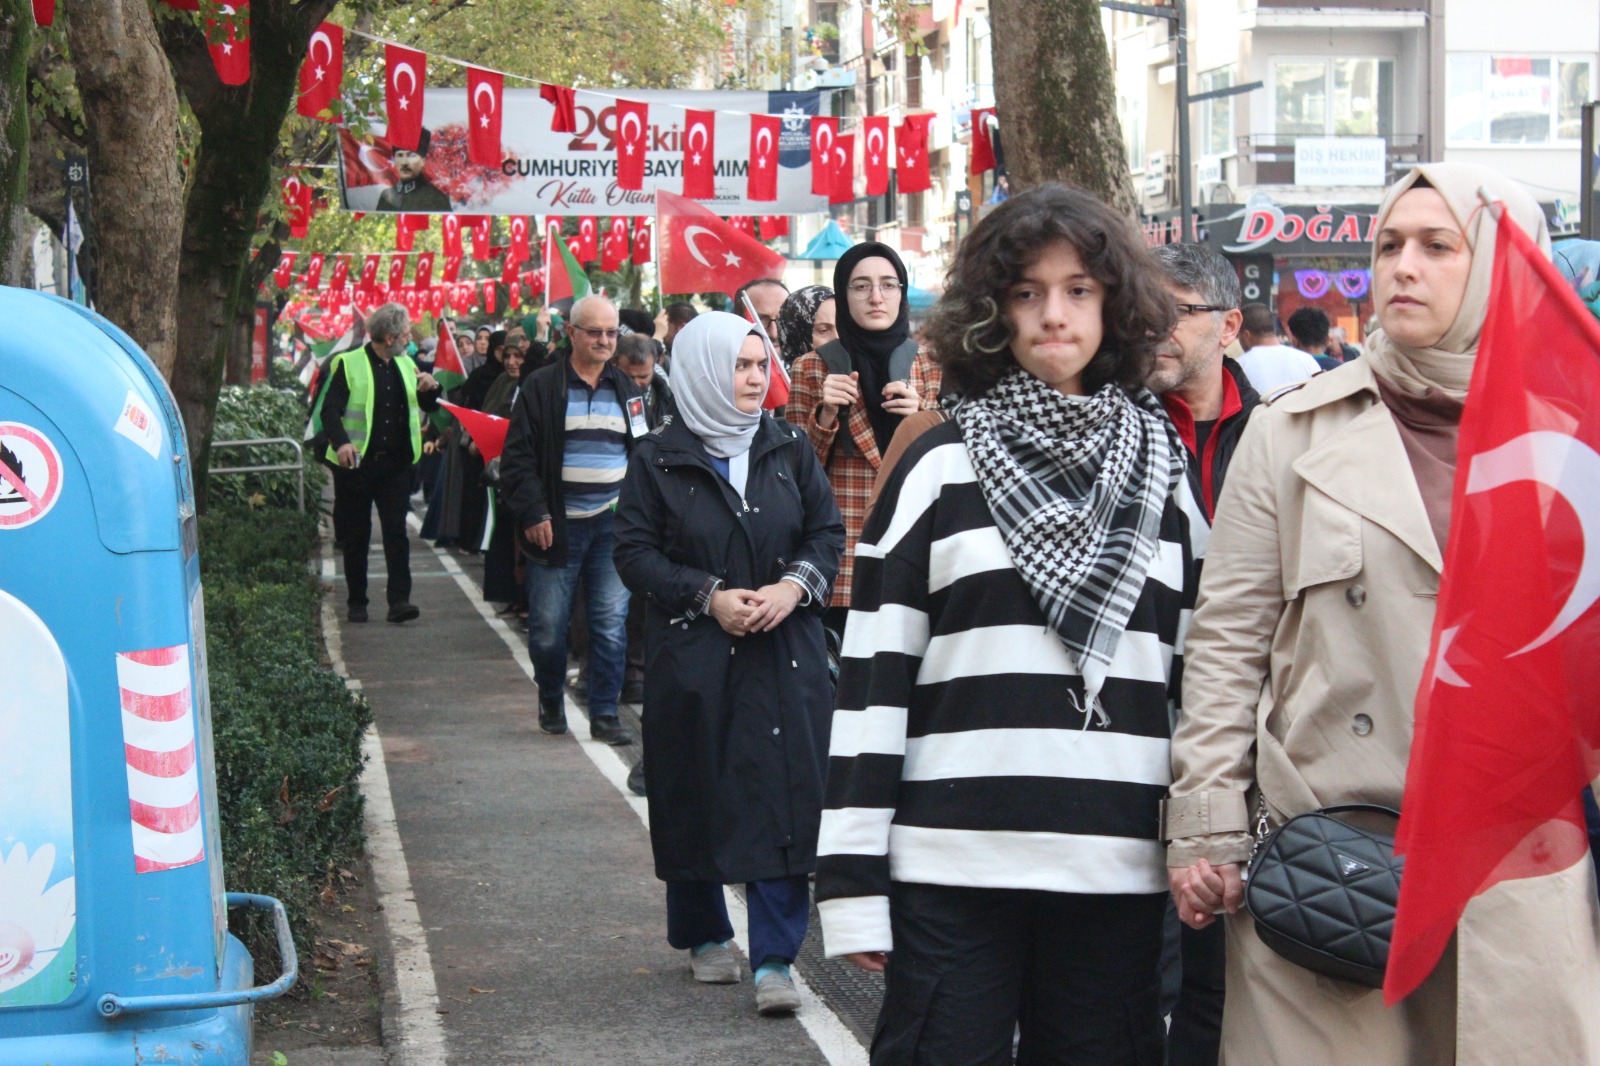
371 413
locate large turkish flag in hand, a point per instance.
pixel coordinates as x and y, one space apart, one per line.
701 253
1507 718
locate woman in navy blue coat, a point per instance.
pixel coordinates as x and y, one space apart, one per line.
728 528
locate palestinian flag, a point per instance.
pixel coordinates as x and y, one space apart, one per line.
573 281
315 374
448 371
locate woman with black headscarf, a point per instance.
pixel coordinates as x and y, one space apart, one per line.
807 321
866 381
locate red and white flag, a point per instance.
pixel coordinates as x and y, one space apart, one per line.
875 153
588 239
982 154
451 269
436 299
485 88
641 242
314 272
321 72
488 432
296 205
397 273
774 226
488 295
699 154
824 135
481 248
616 249
369 272
405 78
563 98
228 41
518 252
285 272
701 253
1507 723
405 230
423 276
159 741
844 169
450 234
44 12
764 132
911 154
743 223
341 271
633 131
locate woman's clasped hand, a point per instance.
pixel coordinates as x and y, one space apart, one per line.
742 611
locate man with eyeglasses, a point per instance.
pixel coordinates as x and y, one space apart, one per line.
766 296
572 428
1209 399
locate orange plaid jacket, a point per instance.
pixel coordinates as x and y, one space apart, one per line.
851 470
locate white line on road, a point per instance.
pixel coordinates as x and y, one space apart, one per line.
420 1032
832 1037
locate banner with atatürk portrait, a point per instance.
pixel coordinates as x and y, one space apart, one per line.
548 173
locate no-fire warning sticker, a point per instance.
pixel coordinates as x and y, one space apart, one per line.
30 475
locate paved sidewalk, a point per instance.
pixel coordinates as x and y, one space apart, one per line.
542 926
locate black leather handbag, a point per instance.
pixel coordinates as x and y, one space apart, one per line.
1323 892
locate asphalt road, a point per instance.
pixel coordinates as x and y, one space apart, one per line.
523 908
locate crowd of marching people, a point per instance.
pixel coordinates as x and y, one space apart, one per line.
1015 632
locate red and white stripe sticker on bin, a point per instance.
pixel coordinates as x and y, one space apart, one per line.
158 735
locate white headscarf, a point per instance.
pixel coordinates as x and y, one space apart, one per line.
704 354
1447 366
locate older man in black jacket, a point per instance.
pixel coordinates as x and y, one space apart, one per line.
1209 399
572 429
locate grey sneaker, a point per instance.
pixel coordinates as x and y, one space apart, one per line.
715 965
775 994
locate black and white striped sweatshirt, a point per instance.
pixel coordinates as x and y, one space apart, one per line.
958 756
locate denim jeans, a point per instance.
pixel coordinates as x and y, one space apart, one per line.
697 912
551 591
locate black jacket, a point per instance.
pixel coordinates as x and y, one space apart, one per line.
1206 472
530 466
737 727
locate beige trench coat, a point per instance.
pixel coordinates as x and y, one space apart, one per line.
1300 672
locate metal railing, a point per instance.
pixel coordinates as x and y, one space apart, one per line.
298 467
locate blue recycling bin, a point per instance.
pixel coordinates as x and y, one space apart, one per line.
114 947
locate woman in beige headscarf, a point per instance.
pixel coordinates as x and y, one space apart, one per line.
1302 665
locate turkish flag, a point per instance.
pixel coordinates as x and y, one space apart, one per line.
397 273
484 91
575 247
488 432
285 272
844 169
982 154
588 239
764 131
700 154
911 154
875 153
701 253
824 135
404 79
44 12
774 226
321 72
480 237
424 271
341 271
314 272
508 271
369 272
436 300
405 230
616 249
488 296
519 240
633 128
1507 723
641 242
450 228
451 269
564 99
228 40
743 223
296 205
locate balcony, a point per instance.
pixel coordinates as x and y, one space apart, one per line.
1269 158
1338 14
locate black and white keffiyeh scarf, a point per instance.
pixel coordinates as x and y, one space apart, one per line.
1077 485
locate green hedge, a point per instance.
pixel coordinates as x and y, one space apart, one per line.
251 413
287 730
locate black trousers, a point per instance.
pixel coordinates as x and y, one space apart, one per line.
384 480
1193 977
1077 973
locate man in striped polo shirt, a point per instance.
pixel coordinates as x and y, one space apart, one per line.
572 429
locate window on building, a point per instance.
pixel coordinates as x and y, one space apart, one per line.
1216 116
1499 99
1130 113
1335 97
